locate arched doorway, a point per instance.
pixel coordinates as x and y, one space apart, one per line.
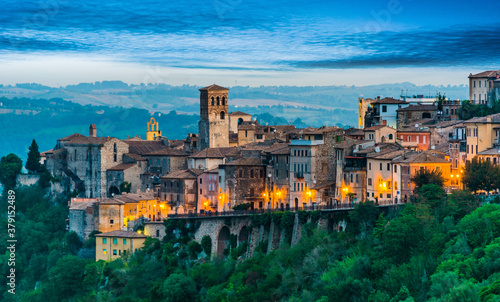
223 240
296 204
287 207
243 235
113 190
240 121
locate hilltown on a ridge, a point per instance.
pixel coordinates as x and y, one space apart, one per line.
233 163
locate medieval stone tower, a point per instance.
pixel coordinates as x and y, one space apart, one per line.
213 128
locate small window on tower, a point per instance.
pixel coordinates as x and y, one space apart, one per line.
223 101
218 101
212 101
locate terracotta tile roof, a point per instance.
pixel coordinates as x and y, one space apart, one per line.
86 140
388 101
495 118
491 151
239 113
321 130
67 138
167 152
422 122
410 129
213 87
485 74
421 158
110 201
81 205
121 167
143 147
382 147
183 174
419 108
376 127
135 197
47 152
215 152
248 161
445 124
388 154
137 157
121 234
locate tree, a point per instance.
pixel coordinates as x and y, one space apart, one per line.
426 177
10 167
206 244
125 187
481 175
33 162
432 194
179 288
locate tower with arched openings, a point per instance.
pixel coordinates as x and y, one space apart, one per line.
153 130
213 128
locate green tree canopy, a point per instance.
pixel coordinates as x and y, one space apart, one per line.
33 162
481 175
426 177
10 167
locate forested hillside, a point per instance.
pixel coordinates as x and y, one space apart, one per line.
439 248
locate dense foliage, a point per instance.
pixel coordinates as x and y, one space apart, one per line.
440 248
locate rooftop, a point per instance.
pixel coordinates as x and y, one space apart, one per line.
248 161
388 101
239 113
485 74
121 234
419 108
215 152
213 87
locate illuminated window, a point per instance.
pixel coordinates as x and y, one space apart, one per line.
104 251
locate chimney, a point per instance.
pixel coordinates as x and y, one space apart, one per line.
378 98
93 131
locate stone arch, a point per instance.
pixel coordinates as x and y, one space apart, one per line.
113 190
222 115
240 121
390 136
213 101
215 114
243 235
223 240
223 101
218 101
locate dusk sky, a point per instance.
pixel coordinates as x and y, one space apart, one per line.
241 42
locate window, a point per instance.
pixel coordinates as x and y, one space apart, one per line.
351 177
124 241
104 251
388 166
380 167
223 101
212 101
201 191
474 84
218 101
395 185
115 157
157 233
479 84
294 186
384 108
262 173
395 168
104 240
369 181
388 195
115 241
241 173
251 173
357 178
369 166
115 253
201 181
222 115
111 221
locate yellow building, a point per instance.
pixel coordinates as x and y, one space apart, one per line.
153 130
111 245
482 133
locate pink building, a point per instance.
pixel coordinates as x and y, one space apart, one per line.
208 190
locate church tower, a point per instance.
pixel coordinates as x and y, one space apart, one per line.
152 131
213 128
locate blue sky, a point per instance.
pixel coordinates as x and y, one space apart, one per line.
59 42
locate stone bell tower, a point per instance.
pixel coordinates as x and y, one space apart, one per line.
213 128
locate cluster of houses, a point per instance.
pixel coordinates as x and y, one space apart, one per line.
234 161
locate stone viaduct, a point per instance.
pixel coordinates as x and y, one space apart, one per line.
222 228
